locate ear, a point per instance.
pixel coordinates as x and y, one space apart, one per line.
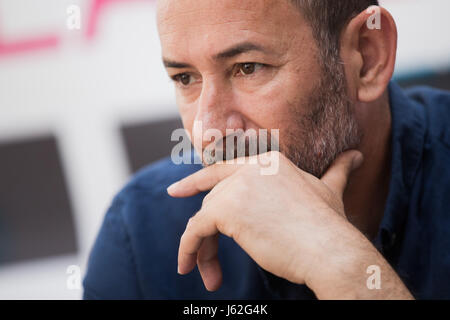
368 48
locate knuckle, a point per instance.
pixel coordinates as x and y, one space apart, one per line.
183 242
234 230
192 221
206 199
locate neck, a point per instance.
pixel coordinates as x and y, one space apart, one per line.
367 190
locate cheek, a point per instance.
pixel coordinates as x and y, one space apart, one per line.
281 105
271 106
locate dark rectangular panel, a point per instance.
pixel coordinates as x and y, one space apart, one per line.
149 141
36 218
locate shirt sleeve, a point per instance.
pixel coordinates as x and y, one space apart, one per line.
111 270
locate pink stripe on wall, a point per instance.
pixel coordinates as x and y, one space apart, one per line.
52 41
28 45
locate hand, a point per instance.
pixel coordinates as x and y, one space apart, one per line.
291 224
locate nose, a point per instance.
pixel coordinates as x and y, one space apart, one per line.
216 112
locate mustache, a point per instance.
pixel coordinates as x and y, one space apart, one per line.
239 144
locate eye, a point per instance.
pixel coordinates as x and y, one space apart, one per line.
248 68
183 78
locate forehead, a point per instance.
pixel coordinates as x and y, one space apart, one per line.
213 24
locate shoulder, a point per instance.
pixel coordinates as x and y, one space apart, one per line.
148 187
433 182
156 177
144 202
142 225
436 106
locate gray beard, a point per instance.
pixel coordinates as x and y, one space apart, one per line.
329 129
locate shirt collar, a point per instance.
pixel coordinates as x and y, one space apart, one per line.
407 142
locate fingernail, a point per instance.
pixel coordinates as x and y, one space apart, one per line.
172 188
178 269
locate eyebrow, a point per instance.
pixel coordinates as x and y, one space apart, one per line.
176 65
226 54
239 49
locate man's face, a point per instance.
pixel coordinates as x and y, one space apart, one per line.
254 64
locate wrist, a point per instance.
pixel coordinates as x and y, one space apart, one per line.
340 271
352 274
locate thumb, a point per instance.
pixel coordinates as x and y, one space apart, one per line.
336 177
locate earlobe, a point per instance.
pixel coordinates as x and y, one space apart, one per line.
371 40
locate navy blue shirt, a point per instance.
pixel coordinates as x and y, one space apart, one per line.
135 254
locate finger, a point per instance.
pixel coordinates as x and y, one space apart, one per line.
202 180
336 177
191 241
208 263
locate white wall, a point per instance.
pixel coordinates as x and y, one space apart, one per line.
84 89
81 91
423 35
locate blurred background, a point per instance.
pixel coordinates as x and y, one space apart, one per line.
82 109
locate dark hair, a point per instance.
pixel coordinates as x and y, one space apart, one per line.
327 19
